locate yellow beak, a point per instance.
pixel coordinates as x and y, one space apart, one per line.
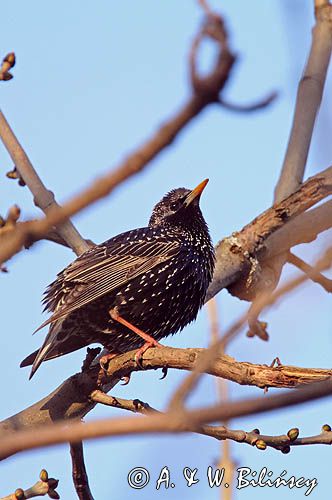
196 192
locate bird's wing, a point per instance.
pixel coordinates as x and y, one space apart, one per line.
101 270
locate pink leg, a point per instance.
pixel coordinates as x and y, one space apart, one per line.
149 341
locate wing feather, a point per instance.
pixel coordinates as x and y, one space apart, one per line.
103 269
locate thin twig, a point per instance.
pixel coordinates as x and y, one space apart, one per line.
267 299
205 91
43 198
226 461
133 405
80 476
170 422
45 486
310 271
222 432
248 108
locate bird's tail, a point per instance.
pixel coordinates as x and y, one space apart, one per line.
56 344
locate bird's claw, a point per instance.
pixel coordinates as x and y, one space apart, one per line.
164 372
125 380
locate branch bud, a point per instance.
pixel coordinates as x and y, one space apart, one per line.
260 444
19 494
43 476
293 433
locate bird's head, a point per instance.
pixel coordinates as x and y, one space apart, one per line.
179 206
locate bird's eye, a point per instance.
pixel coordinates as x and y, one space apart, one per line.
174 206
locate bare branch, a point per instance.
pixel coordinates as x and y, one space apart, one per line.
284 442
238 255
45 486
80 476
249 108
223 433
170 422
72 399
43 198
310 271
302 229
308 101
133 405
8 62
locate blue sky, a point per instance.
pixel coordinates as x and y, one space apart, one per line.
92 81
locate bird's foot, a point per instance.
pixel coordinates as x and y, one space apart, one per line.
139 354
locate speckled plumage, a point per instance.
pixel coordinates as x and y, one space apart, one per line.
157 276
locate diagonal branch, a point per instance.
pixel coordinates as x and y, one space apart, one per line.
205 91
43 198
172 422
311 272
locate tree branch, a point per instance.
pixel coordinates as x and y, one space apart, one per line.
309 96
223 433
169 422
73 399
43 198
80 476
315 276
238 254
45 486
205 90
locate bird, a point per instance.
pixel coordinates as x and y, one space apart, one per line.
135 288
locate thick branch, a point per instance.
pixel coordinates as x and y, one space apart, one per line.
308 101
234 254
72 398
302 229
309 97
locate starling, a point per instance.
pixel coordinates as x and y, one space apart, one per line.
134 289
